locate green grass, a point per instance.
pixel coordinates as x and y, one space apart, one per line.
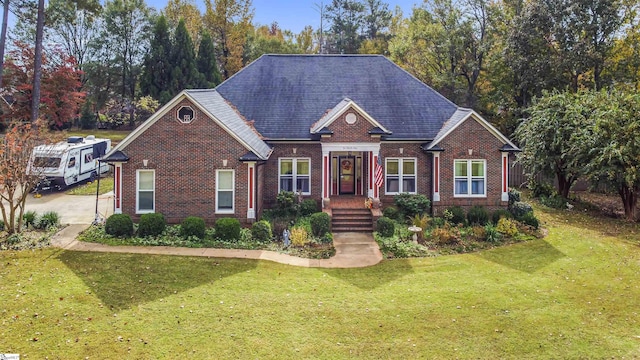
574 294
106 185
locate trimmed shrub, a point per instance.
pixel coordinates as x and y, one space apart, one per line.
29 218
48 219
308 207
152 224
529 219
478 215
286 204
193 226
261 231
411 205
514 196
119 225
228 229
554 201
540 189
507 227
519 208
499 214
391 212
385 227
457 215
299 236
320 223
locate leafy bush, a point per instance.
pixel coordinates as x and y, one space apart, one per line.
320 223
299 236
1 225
394 247
192 226
478 215
152 224
437 222
514 196
554 201
507 227
445 235
499 214
529 219
308 207
457 215
286 204
478 232
491 233
119 225
540 189
327 238
48 219
412 204
391 212
519 208
385 227
261 231
228 228
29 218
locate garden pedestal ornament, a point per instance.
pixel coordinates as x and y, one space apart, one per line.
415 230
285 237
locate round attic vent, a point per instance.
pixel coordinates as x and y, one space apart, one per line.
350 118
186 114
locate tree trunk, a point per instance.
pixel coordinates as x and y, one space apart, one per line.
3 37
629 200
564 184
37 64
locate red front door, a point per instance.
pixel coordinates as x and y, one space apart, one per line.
347 166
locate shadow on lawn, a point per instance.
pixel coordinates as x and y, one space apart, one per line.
125 280
374 276
528 257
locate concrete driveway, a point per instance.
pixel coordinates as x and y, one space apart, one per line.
73 209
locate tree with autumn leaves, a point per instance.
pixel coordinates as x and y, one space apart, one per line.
60 87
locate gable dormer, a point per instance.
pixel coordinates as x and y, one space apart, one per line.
348 122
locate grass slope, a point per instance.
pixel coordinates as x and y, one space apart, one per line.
573 294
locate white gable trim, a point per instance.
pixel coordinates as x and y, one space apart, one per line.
342 108
481 121
164 110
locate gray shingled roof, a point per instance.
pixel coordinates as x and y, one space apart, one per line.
217 107
286 94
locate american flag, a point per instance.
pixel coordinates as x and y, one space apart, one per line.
379 176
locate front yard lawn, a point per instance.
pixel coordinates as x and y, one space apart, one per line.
573 294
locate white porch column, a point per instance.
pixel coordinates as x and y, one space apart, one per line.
117 188
326 174
436 176
251 188
371 174
505 176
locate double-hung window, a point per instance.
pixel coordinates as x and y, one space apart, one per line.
225 185
295 175
145 191
470 178
400 175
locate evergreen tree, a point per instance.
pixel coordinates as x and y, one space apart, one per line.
156 75
184 74
209 74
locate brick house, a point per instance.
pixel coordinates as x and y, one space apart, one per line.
320 125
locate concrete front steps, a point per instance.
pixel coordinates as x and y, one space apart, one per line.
351 220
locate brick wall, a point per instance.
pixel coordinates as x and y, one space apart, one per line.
357 132
423 167
470 135
185 158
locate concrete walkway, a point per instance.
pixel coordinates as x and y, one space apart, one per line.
353 250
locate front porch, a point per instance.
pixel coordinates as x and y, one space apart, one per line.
349 214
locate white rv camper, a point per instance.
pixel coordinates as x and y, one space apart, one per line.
70 162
